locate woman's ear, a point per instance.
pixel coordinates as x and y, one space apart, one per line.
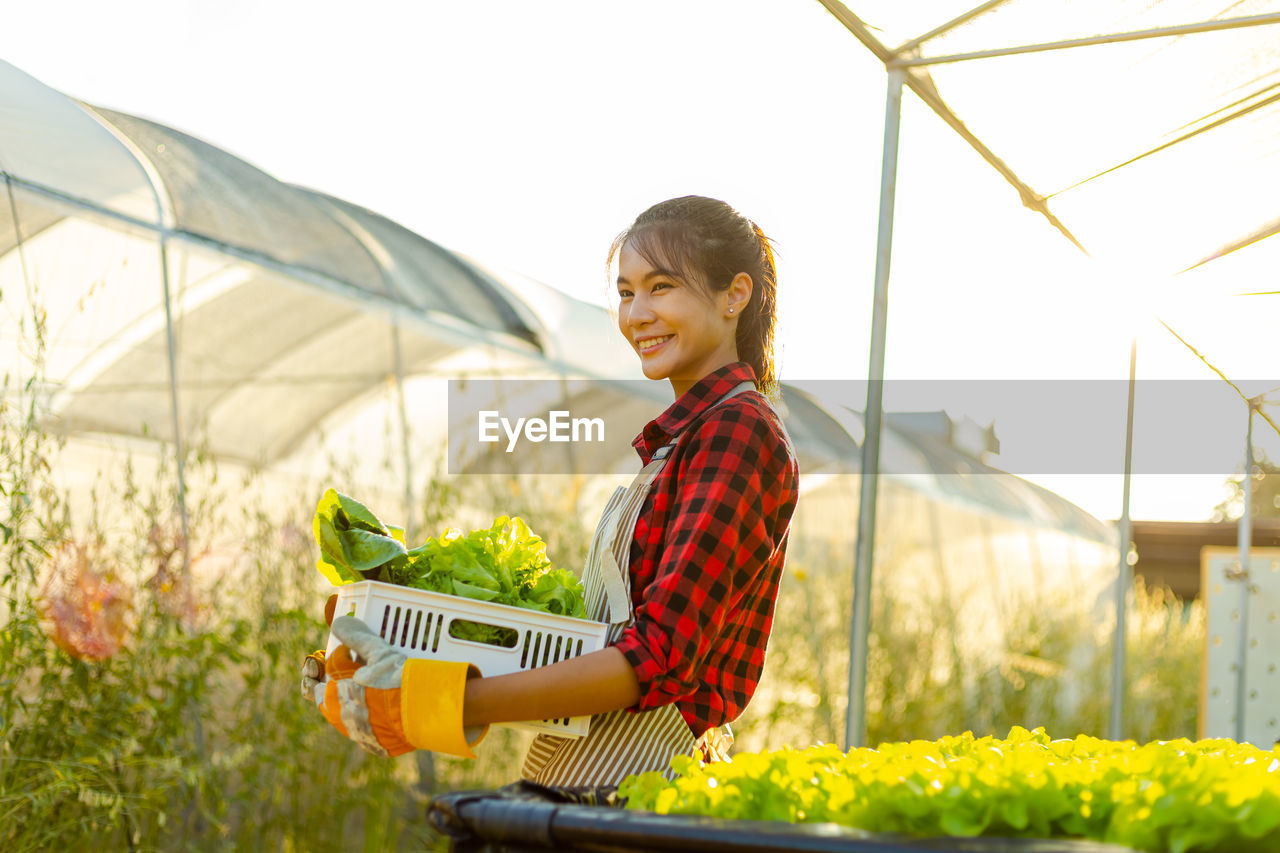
739 294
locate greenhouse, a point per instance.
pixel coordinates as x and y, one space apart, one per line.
189 297
194 351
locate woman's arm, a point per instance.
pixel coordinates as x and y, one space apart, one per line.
592 684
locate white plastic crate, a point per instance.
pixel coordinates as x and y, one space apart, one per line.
417 622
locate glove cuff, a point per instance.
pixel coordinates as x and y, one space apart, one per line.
431 693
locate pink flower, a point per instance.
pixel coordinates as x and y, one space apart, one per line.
84 609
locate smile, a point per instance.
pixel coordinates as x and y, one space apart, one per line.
652 343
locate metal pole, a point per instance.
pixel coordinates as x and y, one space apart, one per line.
1112 38
409 526
1245 540
949 26
423 759
925 90
178 450
855 731
1123 575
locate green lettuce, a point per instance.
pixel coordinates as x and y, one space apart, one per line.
354 544
1177 796
505 563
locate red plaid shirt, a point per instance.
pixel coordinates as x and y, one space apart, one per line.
708 551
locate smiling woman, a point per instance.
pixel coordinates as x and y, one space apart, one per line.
684 564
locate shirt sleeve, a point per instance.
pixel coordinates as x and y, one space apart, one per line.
716 544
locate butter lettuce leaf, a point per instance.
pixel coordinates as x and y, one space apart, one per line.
354 544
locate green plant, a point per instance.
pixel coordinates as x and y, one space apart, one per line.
192 735
1176 796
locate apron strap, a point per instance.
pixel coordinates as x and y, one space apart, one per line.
623 521
615 588
615 591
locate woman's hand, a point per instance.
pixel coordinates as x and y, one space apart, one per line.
386 703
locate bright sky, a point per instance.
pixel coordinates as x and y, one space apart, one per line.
527 134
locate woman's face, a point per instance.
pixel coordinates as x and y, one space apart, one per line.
680 332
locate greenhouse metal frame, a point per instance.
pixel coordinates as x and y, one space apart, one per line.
904 66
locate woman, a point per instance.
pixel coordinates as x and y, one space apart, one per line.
701 531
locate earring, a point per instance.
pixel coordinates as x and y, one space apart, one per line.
730 310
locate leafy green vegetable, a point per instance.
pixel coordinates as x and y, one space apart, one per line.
354 545
1178 796
505 563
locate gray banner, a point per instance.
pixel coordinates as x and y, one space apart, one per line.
938 427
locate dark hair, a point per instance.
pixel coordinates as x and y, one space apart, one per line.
708 243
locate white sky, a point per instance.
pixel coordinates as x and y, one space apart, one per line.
527 134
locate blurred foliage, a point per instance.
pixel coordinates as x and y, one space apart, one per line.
193 735
1045 662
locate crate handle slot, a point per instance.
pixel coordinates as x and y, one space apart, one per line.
524 652
537 644
395 624
433 619
386 614
404 633
435 645
417 624
507 638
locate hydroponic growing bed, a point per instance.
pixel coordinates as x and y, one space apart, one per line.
1023 793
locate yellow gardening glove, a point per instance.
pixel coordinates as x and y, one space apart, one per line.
387 703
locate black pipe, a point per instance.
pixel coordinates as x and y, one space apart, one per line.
527 825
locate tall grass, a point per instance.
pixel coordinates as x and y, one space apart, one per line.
193 735
1046 662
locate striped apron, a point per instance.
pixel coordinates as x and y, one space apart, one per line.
621 742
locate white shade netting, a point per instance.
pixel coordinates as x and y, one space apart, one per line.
1157 155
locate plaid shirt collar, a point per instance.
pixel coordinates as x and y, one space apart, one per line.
705 393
